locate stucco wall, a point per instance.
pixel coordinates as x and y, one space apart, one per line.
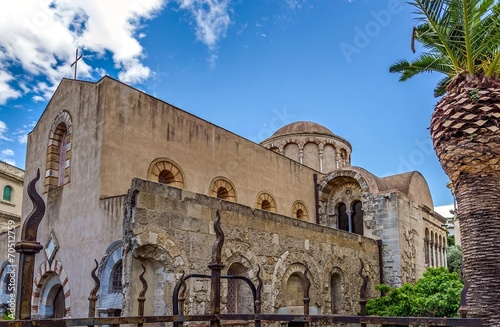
139 128
170 231
83 225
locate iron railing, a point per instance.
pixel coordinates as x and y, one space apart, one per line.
28 247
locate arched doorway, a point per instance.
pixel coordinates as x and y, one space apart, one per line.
52 299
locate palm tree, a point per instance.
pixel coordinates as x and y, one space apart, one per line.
461 39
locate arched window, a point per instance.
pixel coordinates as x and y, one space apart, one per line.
62 156
7 193
52 297
343 219
357 217
239 298
58 164
343 157
165 171
265 201
110 273
295 290
336 293
299 210
115 279
223 189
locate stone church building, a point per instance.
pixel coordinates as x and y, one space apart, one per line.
130 180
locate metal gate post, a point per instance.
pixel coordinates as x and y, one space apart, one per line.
27 248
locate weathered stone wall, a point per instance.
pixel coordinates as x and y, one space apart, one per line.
170 231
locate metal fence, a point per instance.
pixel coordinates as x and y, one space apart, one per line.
28 247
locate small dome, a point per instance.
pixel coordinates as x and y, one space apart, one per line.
303 127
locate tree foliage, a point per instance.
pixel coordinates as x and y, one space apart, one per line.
454 258
437 294
450 240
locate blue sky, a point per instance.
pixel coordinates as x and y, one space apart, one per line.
249 66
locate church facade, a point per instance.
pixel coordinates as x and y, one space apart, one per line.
130 180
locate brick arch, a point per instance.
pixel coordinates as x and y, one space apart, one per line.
265 201
161 166
221 183
297 207
61 134
312 140
41 277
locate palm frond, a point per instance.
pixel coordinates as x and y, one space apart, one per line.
424 64
458 36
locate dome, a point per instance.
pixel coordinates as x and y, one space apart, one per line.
303 127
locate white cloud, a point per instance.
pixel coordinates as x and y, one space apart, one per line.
40 37
23 139
212 59
8 152
6 92
3 130
37 98
21 134
212 19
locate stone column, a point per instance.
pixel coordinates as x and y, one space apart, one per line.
445 257
349 220
426 252
301 152
436 252
321 161
431 254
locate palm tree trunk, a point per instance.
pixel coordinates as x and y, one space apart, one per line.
466 135
478 198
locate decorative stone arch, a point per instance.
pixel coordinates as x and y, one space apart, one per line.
299 210
287 264
46 274
292 148
292 140
265 201
365 180
337 291
237 295
58 161
166 171
312 140
165 262
237 251
166 243
222 188
110 302
275 147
